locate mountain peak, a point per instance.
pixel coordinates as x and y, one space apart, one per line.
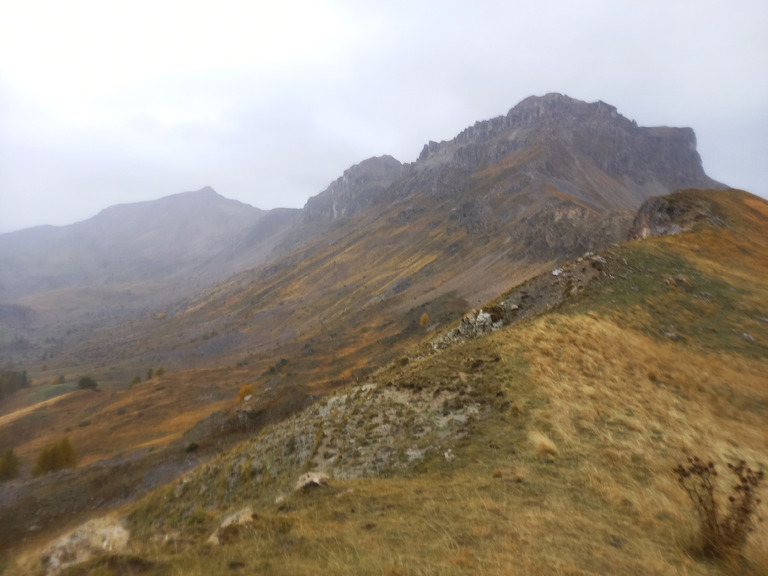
577 144
560 106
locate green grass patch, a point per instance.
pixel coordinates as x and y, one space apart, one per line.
665 295
47 392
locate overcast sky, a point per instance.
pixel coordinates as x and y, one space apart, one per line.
106 102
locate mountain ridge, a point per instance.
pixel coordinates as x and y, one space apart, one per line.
506 198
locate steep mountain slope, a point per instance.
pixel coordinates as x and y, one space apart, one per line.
546 446
505 199
385 243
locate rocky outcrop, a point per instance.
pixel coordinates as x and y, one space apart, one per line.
232 522
528 299
102 535
673 214
372 429
357 189
311 480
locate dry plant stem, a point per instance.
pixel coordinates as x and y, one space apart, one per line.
697 482
725 536
741 505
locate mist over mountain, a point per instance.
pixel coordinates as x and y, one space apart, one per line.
145 241
504 199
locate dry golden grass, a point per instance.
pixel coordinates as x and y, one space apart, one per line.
577 480
625 408
542 444
570 470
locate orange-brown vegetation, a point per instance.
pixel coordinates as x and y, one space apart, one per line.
245 391
581 415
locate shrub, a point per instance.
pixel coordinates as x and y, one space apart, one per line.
721 536
55 457
191 447
160 371
87 383
424 319
12 381
150 373
246 390
136 380
9 465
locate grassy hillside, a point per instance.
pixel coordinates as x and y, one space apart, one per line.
546 447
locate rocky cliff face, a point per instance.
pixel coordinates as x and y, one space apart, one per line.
355 190
587 150
550 153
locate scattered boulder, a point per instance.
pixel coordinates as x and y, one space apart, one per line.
475 323
311 480
243 517
95 536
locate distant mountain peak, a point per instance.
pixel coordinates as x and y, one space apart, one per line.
204 195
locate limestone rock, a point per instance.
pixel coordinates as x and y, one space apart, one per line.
98 535
243 517
311 480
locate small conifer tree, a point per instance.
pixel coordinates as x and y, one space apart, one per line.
55 457
87 383
9 465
